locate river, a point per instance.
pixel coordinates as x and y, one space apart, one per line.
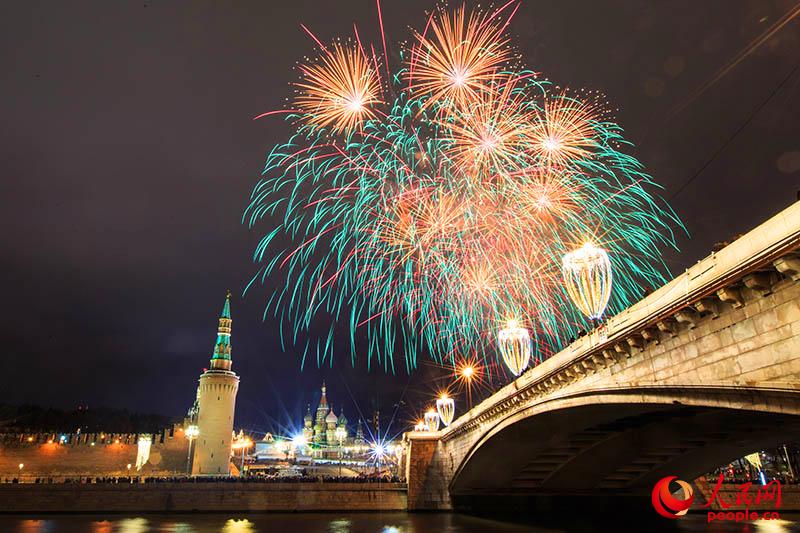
357 523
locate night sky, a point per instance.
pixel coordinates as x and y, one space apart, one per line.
128 152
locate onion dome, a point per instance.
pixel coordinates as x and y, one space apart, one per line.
331 418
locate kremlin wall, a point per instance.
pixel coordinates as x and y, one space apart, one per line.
57 455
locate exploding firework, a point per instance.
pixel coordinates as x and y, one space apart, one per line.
457 58
340 91
425 208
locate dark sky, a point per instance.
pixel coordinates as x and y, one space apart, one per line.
127 154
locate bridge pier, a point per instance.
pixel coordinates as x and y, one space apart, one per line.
426 478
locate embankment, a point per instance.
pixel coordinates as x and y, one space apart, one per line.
206 497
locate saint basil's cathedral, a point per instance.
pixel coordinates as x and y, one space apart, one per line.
324 429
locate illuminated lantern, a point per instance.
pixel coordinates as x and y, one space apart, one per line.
446 408
420 426
432 420
587 277
515 347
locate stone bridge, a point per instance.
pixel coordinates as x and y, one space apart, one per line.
704 370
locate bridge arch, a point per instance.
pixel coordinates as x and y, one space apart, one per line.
623 440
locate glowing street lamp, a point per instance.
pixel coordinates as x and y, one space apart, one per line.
420 426
467 373
378 451
299 442
446 408
191 433
432 420
340 434
242 443
587 278
515 347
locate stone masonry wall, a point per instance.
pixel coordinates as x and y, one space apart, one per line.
207 497
107 457
756 345
427 478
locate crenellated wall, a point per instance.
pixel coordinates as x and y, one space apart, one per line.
95 454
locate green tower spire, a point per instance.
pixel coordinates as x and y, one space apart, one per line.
222 348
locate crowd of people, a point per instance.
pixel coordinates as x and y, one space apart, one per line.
362 478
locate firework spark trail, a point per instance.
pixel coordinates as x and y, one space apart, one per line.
429 207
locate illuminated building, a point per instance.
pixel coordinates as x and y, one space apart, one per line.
216 402
320 429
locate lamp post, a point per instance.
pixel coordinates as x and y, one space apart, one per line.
340 433
242 443
191 433
467 373
21 466
299 444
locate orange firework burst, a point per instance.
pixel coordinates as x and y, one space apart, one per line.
545 196
340 90
479 279
489 137
564 130
460 58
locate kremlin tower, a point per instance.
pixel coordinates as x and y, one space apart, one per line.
216 403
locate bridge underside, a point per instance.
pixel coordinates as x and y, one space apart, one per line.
616 450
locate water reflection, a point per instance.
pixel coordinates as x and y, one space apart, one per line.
177 527
32 526
774 526
359 523
340 526
133 525
238 526
102 526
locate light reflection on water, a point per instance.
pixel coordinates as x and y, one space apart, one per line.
359 523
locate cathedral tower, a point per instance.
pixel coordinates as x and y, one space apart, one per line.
216 405
320 425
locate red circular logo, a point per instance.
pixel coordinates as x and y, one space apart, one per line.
668 505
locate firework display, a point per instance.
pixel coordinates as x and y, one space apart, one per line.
423 201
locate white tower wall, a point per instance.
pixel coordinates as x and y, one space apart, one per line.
212 454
